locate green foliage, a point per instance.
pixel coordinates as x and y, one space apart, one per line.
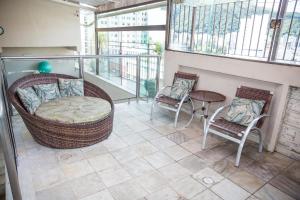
295 28
158 48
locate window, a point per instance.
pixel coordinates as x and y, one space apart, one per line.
266 30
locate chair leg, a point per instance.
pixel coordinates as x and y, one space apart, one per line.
205 137
260 145
176 117
238 155
152 110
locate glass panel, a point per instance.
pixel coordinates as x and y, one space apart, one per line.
290 33
225 27
154 16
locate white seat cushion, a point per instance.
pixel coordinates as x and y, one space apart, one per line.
77 109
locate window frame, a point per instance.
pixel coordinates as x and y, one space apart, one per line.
271 59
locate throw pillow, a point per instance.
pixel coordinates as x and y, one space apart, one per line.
71 87
244 111
180 87
47 92
29 99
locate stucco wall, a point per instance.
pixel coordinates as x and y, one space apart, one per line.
39 23
225 75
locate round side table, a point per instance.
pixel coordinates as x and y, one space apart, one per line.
207 97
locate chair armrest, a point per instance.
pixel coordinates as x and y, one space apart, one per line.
253 123
217 112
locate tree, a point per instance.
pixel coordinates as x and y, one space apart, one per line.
158 48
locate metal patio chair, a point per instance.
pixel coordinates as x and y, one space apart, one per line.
235 132
163 99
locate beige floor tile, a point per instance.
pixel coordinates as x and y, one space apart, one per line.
159 159
177 152
144 149
225 167
125 154
149 134
102 195
174 172
137 167
43 179
162 143
287 185
215 154
247 181
94 150
187 187
230 191
152 181
268 192
262 170
128 190
178 137
292 172
112 177
165 129
244 161
206 195
132 139
193 146
103 162
76 169
136 125
192 163
114 143
59 192
164 194
208 177
87 185
69 155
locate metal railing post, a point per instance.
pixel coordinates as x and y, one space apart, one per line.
81 67
276 32
158 73
138 77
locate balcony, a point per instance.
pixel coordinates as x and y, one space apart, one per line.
132 51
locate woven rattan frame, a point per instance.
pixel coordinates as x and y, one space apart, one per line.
59 135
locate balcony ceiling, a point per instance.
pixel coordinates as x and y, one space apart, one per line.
95 3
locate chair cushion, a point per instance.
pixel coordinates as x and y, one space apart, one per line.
29 99
47 92
180 87
77 109
71 87
244 111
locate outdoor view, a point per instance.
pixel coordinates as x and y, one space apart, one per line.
237 28
125 50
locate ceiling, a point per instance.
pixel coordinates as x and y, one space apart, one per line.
95 2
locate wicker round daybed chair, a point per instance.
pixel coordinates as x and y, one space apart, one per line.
56 134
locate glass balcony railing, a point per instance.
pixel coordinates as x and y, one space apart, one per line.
122 76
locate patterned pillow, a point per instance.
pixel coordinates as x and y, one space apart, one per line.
29 99
47 92
180 87
244 111
71 87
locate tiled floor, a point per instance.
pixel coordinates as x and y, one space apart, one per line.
153 161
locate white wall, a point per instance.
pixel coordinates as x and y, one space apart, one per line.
225 75
39 23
